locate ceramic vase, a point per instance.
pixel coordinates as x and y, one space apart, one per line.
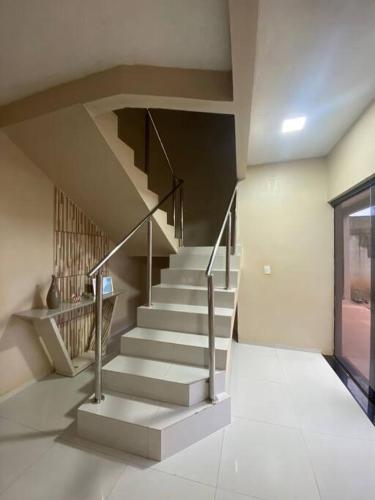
53 295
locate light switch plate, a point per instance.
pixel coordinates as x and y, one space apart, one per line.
267 269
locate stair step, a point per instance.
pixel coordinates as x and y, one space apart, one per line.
191 295
160 380
192 261
196 277
185 318
207 250
151 429
178 347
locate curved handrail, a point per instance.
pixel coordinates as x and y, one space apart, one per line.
215 248
101 263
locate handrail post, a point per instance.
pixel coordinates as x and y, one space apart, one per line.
149 262
211 338
174 209
181 198
234 226
228 251
98 337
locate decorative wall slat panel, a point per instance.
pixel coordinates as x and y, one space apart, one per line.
79 244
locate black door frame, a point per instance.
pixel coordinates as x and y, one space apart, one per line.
367 386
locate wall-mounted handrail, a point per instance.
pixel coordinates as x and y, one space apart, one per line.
230 249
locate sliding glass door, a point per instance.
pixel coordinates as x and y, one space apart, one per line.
354 284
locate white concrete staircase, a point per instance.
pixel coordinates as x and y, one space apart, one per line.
156 389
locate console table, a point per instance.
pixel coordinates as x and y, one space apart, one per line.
46 326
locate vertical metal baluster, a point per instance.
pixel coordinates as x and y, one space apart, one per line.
228 251
211 338
98 337
174 201
234 228
181 235
149 262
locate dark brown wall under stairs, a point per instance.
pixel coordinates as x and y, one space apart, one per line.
201 147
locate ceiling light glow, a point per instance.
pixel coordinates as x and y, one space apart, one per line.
293 124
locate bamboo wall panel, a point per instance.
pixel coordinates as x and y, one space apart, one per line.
78 245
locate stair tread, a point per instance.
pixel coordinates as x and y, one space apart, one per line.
180 338
200 269
194 309
192 287
144 412
158 370
204 250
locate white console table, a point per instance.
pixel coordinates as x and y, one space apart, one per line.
46 326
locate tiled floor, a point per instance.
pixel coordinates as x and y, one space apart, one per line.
297 434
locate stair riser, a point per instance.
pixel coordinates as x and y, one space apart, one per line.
165 351
116 434
195 277
167 295
186 261
206 250
182 321
153 443
183 434
160 390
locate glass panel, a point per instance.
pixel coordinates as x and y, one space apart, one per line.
353 285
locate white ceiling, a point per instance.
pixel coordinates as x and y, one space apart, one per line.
314 58
48 42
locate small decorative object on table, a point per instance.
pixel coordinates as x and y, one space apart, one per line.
75 298
107 285
53 296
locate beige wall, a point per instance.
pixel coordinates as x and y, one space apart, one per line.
26 251
353 159
26 263
286 222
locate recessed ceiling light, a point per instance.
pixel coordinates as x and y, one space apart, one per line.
293 124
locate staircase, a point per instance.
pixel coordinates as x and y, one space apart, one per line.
155 391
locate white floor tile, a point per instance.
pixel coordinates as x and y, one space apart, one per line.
266 461
137 484
66 473
50 404
229 495
344 467
263 401
20 446
200 462
256 363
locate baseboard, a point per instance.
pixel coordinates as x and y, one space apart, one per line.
20 388
281 346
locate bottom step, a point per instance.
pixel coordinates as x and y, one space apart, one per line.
148 428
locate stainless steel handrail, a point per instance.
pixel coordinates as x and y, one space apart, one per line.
161 143
175 179
230 249
98 271
101 263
